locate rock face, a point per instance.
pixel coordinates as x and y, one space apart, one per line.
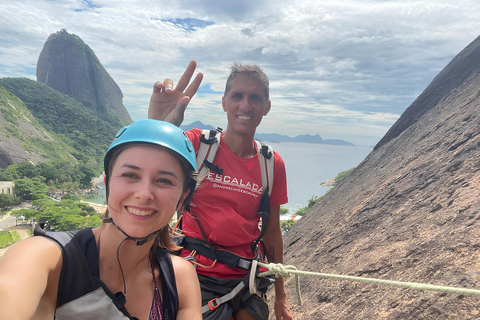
409 212
68 65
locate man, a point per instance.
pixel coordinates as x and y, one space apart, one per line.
223 209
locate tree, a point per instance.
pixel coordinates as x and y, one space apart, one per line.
53 217
8 174
8 200
311 202
27 213
27 188
88 174
71 222
286 225
26 170
24 188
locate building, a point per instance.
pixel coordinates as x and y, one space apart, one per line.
6 187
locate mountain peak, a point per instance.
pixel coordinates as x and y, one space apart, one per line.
70 66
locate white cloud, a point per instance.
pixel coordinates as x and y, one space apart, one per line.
341 69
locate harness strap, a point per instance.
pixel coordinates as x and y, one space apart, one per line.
266 165
252 279
254 284
206 152
264 213
222 256
216 302
213 167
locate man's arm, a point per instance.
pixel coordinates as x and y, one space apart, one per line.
273 241
169 104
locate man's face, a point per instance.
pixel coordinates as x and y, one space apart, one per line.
245 104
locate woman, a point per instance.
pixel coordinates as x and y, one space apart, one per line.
149 171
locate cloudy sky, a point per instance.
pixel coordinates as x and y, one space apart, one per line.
343 69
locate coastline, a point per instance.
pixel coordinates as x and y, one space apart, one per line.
99 208
97 180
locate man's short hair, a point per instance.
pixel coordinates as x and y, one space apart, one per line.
250 70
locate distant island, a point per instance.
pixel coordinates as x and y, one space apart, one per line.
275 137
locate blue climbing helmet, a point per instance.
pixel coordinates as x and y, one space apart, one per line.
154 132
157 133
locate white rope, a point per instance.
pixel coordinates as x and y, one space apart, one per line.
279 270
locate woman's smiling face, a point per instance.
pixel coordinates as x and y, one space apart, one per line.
145 189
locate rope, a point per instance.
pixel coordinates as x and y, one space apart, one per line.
279 270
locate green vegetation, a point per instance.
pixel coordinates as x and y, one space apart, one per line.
55 174
7 201
29 189
286 225
342 175
61 215
8 238
32 182
70 135
311 202
41 143
69 122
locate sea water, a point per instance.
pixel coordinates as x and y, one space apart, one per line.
307 165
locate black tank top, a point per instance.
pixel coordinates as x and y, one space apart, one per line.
81 293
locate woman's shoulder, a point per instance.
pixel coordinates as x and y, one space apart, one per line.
30 268
39 252
181 265
34 247
188 289
184 271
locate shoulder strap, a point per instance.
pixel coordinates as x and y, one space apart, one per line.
76 278
209 143
265 155
169 286
61 238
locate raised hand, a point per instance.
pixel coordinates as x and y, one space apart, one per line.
169 104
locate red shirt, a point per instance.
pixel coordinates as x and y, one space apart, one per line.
225 206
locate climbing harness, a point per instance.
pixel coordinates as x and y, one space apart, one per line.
279 270
254 284
209 144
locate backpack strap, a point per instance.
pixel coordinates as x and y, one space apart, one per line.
209 143
265 155
169 286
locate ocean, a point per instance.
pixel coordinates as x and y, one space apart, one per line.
307 165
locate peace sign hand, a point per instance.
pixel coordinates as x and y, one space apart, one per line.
169 104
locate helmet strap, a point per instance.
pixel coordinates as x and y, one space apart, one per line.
138 241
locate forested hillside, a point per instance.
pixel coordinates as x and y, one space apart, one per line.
86 134
22 137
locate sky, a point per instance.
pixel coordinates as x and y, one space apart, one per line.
342 69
